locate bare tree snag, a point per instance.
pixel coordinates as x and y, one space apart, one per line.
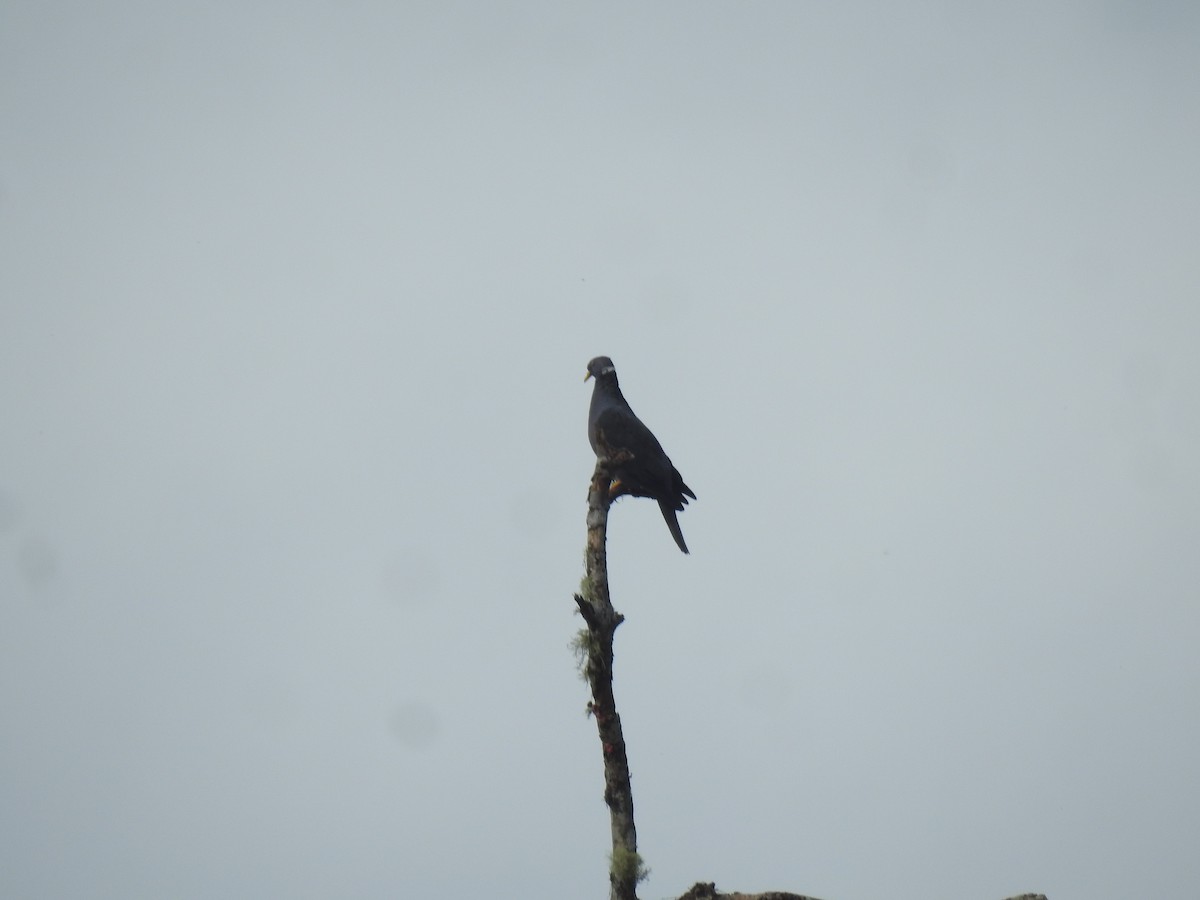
595 649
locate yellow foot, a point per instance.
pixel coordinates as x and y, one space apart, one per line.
615 488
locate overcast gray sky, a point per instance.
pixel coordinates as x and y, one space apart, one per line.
295 304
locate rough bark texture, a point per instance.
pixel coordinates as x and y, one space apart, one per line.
602 621
703 891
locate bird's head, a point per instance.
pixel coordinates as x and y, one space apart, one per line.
601 365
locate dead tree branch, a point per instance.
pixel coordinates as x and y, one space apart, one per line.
595 647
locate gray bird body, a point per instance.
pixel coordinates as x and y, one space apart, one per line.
639 467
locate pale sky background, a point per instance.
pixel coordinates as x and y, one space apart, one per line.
295 304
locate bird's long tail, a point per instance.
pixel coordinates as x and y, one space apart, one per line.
673 523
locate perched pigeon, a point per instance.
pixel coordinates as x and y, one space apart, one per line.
639 465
